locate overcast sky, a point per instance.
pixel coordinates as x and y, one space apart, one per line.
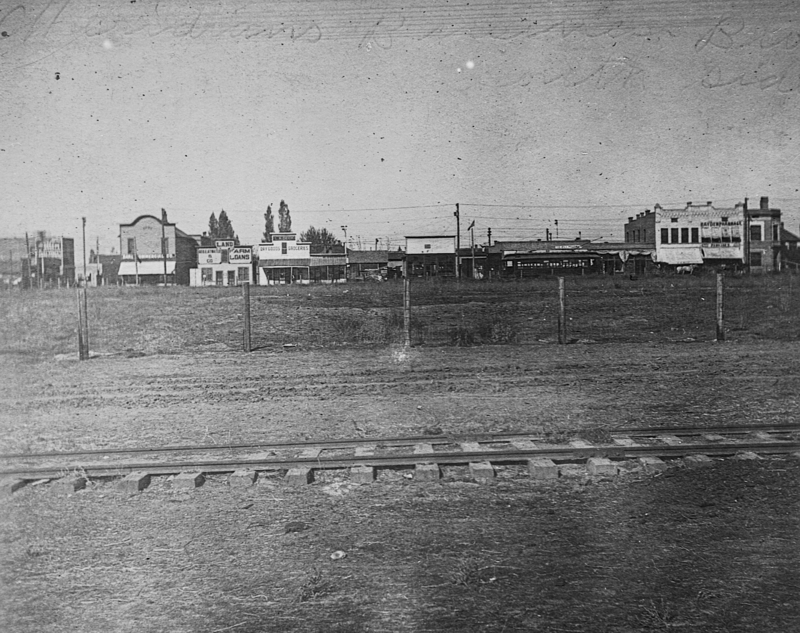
382 115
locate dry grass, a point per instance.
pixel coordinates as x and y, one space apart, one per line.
175 320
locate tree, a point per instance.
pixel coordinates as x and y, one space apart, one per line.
285 219
269 224
321 240
221 229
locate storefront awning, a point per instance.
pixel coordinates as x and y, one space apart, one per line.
729 252
680 256
149 267
285 263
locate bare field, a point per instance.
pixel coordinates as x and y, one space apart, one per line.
713 549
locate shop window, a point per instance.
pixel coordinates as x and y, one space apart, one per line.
244 274
206 274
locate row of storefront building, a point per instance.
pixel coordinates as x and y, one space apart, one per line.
684 239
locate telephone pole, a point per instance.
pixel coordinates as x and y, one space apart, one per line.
163 243
83 221
457 213
471 230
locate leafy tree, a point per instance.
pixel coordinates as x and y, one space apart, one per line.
285 219
269 224
321 240
225 227
221 229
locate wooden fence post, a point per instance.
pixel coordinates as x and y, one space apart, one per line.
246 297
406 306
80 322
83 325
562 313
720 325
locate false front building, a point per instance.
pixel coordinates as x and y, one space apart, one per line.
284 260
155 251
224 264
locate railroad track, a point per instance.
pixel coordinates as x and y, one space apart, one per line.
425 454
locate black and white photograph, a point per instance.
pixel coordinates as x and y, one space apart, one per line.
353 316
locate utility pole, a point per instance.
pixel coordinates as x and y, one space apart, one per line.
83 221
136 260
346 263
163 243
471 229
556 229
457 213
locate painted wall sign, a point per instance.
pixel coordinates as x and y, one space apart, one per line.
240 255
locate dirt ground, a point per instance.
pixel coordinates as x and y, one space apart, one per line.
704 549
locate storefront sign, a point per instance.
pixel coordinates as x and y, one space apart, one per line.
208 256
50 248
240 256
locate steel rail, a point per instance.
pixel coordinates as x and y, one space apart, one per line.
446 458
406 440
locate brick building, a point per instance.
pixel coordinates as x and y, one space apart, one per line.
735 237
149 245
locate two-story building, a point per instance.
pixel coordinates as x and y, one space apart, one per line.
738 237
155 251
763 249
223 264
51 260
691 235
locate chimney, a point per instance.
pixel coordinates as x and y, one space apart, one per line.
708 204
764 203
630 219
689 204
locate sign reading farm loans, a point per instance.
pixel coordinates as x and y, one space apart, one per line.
240 255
